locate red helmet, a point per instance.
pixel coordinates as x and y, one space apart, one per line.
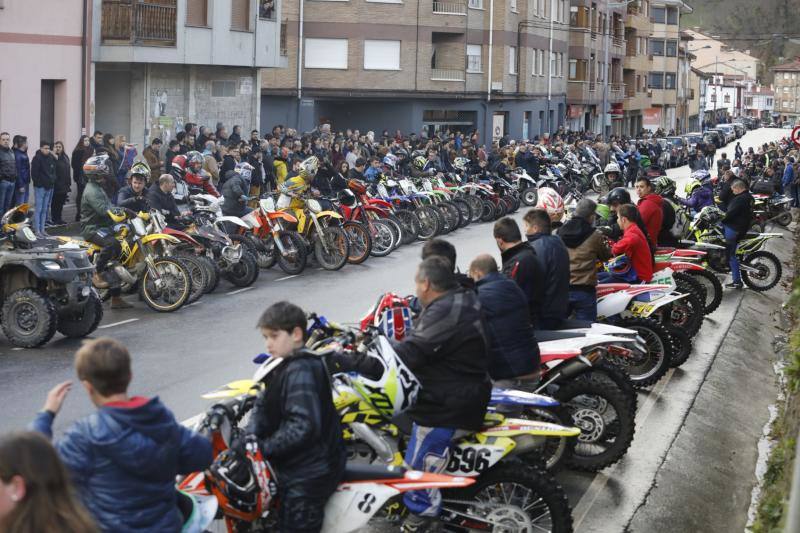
179 163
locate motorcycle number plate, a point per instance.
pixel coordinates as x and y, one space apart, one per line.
641 308
284 201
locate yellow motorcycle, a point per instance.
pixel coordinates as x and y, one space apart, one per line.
320 228
163 283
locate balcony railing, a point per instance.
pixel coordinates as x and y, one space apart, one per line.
617 91
450 8
618 41
592 86
139 22
447 74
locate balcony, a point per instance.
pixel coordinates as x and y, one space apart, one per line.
638 22
665 96
139 23
616 92
636 101
447 74
450 8
639 63
582 92
618 46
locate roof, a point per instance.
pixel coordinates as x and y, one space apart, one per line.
702 74
791 66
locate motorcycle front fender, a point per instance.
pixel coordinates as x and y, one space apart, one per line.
159 237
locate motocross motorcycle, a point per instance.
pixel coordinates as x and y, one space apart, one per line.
321 229
242 484
163 282
710 284
356 207
278 244
526 185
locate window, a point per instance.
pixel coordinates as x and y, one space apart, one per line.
535 66
223 88
535 8
553 71
657 47
474 52
266 9
672 15
284 51
381 55
659 15
573 16
656 80
541 62
794 75
672 48
476 4
560 63
197 13
769 102
786 75
512 59
513 5
727 99
240 15
669 81
326 53
573 69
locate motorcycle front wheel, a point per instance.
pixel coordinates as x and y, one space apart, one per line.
166 286
359 241
332 255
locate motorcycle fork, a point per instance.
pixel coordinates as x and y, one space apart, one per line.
320 233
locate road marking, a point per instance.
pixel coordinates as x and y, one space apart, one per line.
193 303
601 480
240 290
118 323
18 348
287 277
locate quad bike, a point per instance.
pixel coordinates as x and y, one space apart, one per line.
44 288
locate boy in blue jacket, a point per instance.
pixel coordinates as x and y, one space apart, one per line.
123 458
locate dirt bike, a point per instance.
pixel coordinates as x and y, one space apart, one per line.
163 282
276 243
321 230
704 276
363 493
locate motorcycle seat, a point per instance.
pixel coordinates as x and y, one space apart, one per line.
555 335
365 472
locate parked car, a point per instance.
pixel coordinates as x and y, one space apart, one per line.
740 129
728 132
690 140
679 151
716 137
788 126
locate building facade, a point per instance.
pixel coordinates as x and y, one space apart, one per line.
160 64
715 57
595 88
787 91
759 102
635 67
43 78
664 63
421 65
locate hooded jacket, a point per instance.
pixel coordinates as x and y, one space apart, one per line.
233 191
123 460
164 202
740 213
553 259
634 244
23 168
585 247
652 212
513 350
520 264
447 351
700 198
43 170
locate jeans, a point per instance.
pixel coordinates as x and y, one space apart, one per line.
731 243
583 304
794 194
428 451
42 197
21 195
7 189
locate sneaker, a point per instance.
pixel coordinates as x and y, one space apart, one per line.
417 524
734 285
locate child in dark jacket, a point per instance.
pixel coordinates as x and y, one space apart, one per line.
296 424
123 459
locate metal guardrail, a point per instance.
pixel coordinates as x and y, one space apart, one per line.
451 8
447 74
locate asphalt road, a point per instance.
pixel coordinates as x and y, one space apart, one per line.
179 356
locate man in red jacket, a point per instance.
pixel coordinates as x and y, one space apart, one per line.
633 242
651 209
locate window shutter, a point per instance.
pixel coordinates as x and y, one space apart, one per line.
240 15
197 12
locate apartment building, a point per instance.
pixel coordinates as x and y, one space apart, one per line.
664 45
759 102
716 57
635 66
413 65
787 91
597 46
44 75
158 64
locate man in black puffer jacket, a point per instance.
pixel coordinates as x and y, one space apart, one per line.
8 172
520 264
553 258
513 351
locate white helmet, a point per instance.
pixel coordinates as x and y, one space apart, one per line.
551 201
390 160
611 167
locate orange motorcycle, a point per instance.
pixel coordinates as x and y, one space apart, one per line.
275 243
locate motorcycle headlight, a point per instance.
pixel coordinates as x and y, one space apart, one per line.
314 206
